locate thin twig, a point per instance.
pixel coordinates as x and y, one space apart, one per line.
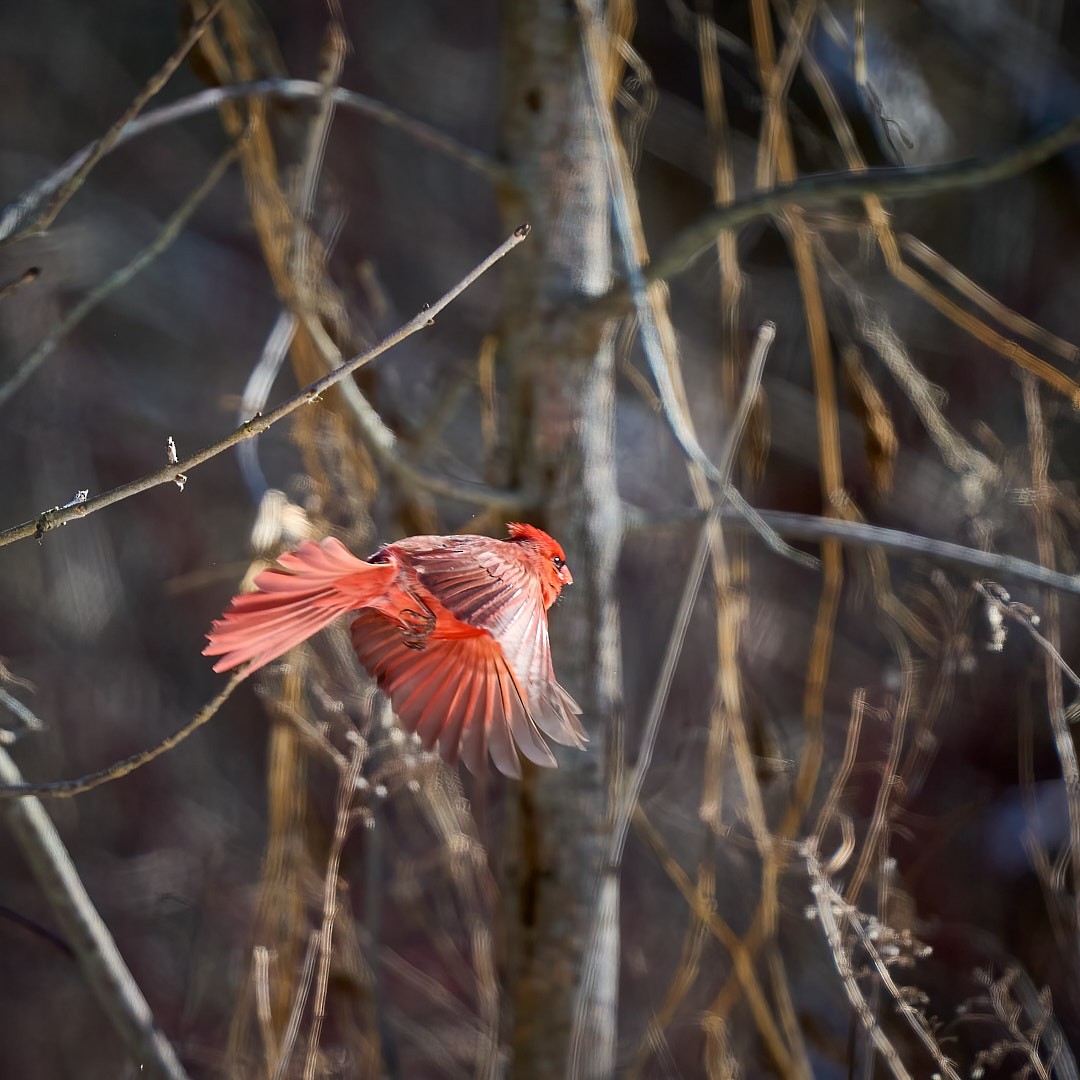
1022 614
86 933
296 1014
830 808
15 214
631 792
94 153
346 793
65 789
1043 494
332 63
827 189
916 1021
910 545
21 713
260 975
828 905
875 328
967 288
658 340
755 369
875 843
29 275
117 280
51 519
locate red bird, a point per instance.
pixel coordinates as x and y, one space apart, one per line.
453 628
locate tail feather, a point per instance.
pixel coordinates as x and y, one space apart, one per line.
310 588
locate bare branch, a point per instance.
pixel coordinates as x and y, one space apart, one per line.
346 793
292 1029
70 183
628 800
828 904
910 545
967 288
50 519
65 789
117 280
827 189
28 276
658 339
260 973
13 216
25 717
87 934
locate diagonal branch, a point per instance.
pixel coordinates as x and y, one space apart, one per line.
827 189
858 534
96 951
56 516
16 218
75 176
657 334
65 789
117 280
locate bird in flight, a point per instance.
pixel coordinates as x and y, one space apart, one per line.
453 629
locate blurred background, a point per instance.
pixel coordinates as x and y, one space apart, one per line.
821 828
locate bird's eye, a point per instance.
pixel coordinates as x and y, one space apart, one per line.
559 562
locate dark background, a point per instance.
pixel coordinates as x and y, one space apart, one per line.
209 851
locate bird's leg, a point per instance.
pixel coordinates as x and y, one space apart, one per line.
417 624
406 607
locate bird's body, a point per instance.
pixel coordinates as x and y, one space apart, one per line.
453 628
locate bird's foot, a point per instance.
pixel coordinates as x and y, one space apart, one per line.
417 625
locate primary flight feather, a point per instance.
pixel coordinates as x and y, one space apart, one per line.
453 628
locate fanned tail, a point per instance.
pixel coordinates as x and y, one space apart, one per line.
310 588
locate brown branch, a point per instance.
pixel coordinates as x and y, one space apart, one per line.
343 823
65 789
827 189
80 169
29 275
1012 320
117 280
741 954
85 931
296 1013
13 216
61 515
910 545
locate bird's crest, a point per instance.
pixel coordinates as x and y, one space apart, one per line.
520 531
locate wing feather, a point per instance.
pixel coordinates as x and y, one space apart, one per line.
488 584
457 691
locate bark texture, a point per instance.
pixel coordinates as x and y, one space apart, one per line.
562 370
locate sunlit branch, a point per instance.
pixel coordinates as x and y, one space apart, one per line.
61 515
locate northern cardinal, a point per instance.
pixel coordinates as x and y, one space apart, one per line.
453 628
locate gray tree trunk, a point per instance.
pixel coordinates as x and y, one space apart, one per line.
562 372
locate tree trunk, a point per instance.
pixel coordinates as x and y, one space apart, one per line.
561 367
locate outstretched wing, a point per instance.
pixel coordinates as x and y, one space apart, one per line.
457 691
488 584
307 590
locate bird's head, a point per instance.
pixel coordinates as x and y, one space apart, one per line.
550 559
